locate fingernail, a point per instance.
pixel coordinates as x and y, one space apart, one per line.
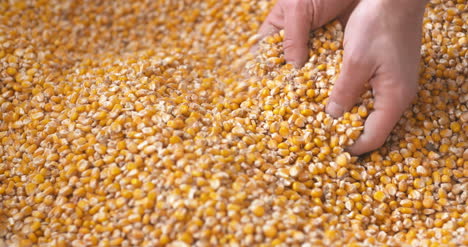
334 109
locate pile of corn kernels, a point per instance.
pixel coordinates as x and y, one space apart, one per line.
147 123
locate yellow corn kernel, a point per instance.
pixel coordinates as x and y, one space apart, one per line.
379 196
258 210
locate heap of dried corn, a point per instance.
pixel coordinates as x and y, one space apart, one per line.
129 123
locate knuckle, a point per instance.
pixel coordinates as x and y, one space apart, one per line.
406 91
345 93
339 91
296 46
288 43
354 59
356 55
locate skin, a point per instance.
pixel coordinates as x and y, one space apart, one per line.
381 46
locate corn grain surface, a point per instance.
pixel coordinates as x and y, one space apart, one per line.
146 123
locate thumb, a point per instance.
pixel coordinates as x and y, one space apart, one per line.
391 100
350 85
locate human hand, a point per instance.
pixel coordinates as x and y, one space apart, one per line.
381 46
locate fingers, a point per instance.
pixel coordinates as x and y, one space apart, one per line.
378 126
297 23
300 16
350 85
297 17
391 100
272 24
